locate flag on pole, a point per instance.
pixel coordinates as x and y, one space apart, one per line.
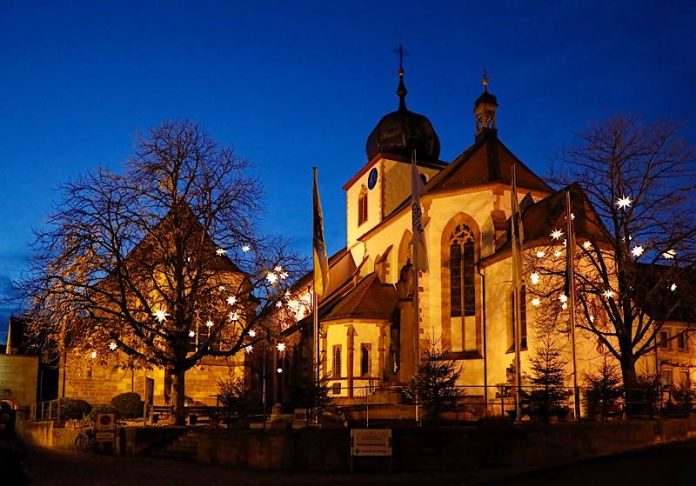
321 261
417 189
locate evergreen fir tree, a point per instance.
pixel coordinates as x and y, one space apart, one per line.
549 394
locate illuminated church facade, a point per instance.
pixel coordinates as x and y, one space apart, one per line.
369 338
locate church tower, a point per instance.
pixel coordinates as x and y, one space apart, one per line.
484 110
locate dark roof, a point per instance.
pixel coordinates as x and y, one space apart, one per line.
196 232
369 299
653 288
486 97
541 218
401 131
485 162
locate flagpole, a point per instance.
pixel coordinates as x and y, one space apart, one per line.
416 303
319 271
570 255
516 279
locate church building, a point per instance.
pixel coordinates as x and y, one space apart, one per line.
370 336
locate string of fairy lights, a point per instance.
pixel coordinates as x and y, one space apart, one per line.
278 274
623 203
273 277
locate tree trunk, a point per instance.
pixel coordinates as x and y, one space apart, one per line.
178 392
633 391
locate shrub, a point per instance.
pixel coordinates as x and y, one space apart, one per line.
73 408
234 397
102 407
435 384
604 391
128 405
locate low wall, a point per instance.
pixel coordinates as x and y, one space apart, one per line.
446 448
47 433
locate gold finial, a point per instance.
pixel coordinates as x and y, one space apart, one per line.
484 80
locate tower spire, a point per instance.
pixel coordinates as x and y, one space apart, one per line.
401 91
484 109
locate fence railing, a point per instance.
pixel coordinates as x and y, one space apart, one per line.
47 410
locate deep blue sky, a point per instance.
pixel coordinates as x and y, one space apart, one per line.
290 85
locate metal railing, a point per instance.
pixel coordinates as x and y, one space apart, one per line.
47 410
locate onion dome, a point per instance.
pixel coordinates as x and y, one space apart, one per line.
401 131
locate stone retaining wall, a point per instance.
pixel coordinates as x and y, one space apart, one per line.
446 448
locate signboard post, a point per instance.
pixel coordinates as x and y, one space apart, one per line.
370 443
105 429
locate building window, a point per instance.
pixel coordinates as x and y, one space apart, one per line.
337 361
462 277
681 341
362 206
336 388
663 340
684 378
364 360
523 318
666 377
201 336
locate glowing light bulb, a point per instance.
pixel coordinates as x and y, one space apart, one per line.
93 354
624 202
557 253
534 278
587 245
246 248
252 333
608 294
669 254
540 254
234 316
221 252
563 298
278 269
113 345
536 302
271 277
637 251
209 323
673 287
231 300
556 234
160 315
192 333
280 347
248 349
279 370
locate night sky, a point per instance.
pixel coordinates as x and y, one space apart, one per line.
290 85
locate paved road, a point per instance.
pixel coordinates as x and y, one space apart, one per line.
672 464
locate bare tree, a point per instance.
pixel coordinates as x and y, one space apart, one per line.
635 270
164 262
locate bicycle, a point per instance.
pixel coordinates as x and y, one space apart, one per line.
84 441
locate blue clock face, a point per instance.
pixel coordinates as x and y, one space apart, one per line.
372 179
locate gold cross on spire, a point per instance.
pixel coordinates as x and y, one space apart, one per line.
484 80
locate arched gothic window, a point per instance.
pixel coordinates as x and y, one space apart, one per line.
362 206
462 276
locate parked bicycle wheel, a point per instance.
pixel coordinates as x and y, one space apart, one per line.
82 442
